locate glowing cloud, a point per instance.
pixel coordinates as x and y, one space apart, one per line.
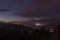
7 19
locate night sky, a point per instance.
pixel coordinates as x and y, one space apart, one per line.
21 10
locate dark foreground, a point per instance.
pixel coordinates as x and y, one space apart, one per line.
35 35
21 32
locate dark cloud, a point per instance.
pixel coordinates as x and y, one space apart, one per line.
39 8
2 10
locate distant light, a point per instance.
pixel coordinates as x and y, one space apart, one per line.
52 30
37 18
39 24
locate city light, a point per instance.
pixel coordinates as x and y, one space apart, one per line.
39 24
37 18
51 30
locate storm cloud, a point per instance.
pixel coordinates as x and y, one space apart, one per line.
38 8
2 10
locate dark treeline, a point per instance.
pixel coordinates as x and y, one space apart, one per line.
21 32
